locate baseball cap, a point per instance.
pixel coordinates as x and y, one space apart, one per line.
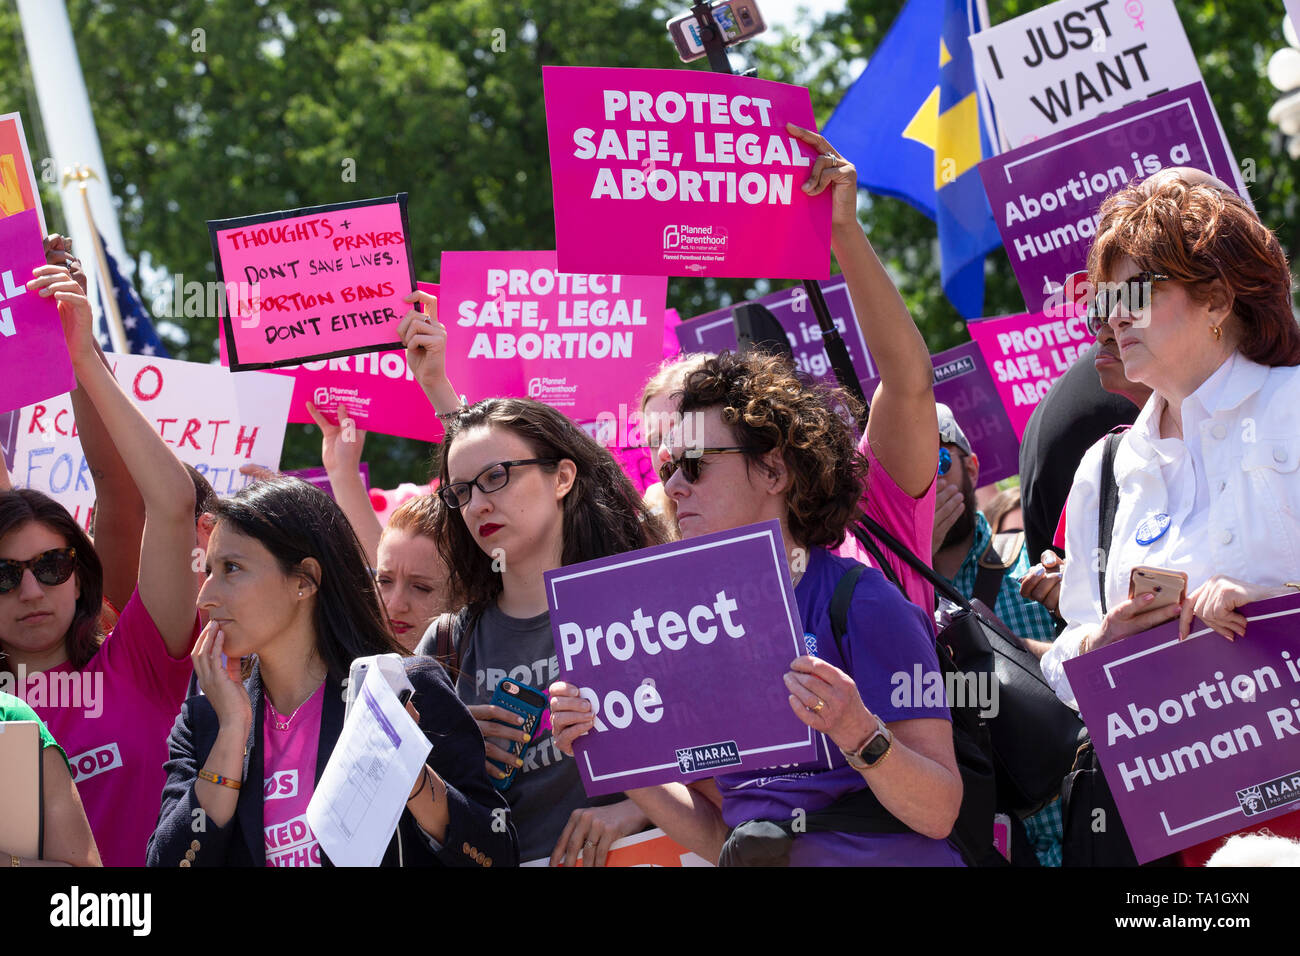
950 432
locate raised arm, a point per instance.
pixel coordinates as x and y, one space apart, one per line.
119 509
168 587
340 453
425 339
902 427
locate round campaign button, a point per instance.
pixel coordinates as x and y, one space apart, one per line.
1152 528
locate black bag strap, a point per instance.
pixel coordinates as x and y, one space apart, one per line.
841 600
1106 511
905 553
988 577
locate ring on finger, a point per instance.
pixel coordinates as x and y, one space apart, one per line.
818 709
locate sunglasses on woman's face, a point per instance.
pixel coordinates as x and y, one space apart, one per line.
690 462
50 568
1134 293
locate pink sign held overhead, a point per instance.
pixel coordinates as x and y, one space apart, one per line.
34 363
517 325
315 283
1026 353
666 172
377 389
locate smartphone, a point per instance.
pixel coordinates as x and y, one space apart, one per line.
1169 587
529 703
737 20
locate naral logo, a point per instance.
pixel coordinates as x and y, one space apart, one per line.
724 754
1270 794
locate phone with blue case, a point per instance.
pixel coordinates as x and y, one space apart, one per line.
529 703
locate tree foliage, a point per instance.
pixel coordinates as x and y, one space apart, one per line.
208 110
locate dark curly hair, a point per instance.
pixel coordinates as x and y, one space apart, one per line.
1199 232
603 514
769 409
23 506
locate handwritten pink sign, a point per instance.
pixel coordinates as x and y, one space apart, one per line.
1026 353
316 283
517 325
683 173
34 362
377 389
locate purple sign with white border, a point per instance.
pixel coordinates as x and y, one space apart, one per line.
681 650
1198 738
1046 195
963 383
317 476
715 332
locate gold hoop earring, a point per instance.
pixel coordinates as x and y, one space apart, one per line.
1217 332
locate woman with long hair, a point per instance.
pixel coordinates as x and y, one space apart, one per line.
287 582
526 490
107 700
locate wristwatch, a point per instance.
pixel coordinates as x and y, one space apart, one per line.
873 751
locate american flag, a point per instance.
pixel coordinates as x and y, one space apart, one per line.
141 338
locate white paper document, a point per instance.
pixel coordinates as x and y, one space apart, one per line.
364 788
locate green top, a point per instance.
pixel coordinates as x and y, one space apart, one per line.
11 708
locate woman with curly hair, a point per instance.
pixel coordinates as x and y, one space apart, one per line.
773 448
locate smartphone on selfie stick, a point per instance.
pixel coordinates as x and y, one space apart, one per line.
708 30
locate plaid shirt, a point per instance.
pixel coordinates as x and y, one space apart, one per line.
1027 619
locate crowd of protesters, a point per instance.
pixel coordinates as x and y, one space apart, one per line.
213 684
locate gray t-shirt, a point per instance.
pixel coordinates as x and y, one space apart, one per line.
547 789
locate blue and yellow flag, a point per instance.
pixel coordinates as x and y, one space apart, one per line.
911 125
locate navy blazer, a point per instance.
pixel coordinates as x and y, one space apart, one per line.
479 832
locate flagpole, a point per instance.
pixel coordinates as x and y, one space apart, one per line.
116 332
981 7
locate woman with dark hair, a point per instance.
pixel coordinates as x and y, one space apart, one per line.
525 490
774 449
287 581
107 700
1198 292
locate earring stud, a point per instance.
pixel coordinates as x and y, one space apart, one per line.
1217 332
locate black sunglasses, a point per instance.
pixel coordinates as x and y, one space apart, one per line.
690 462
1134 293
490 479
50 568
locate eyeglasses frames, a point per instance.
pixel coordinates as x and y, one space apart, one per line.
690 462
490 479
1134 294
50 568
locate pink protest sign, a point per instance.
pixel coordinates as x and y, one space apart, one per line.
1027 353
683 173
376 388
316 283
516 325
34 362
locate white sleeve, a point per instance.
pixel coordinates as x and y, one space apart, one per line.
1080 603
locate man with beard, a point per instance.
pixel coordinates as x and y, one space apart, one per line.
967 555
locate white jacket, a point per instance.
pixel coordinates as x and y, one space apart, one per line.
1230 486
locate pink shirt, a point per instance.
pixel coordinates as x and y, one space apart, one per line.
113 718
910 520
289 764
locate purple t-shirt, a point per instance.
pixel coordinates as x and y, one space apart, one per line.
886 635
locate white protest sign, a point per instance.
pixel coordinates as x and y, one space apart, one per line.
1075 59
213 420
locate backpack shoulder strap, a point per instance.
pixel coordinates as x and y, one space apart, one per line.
1109 492
841 599
452 627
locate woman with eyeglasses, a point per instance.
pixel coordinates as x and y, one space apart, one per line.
773 449
525 490
1198 293
109 701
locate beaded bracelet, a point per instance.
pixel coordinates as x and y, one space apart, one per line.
218 779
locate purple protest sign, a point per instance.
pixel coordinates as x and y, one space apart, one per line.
963 383
1045 195
681 650
1198 738
317 476
34 363
714 331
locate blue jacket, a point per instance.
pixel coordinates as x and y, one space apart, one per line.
476 834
